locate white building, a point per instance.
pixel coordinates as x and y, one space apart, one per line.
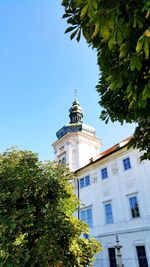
114 189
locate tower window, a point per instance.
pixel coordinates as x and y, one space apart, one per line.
63 160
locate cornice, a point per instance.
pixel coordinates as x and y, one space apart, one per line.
103 160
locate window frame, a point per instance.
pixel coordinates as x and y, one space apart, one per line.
84 181
107 221
87 180
88 221
126 164
130 207
137 255
104 173
114 262
63 160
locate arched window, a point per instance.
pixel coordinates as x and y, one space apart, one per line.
63 160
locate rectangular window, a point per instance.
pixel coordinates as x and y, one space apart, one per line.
112 257
86 216
134 207
108 213
141 254
104 173
126 164
85 181
82 183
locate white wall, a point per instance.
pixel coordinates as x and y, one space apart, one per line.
117 189
78 147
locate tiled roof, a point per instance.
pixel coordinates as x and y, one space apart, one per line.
115 147
107 152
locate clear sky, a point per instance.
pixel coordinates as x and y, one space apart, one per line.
39 69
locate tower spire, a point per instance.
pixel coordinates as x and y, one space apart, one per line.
75 112
75 95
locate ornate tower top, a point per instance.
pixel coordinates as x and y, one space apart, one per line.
75 124
76 142
75 112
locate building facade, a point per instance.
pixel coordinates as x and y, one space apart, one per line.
114 190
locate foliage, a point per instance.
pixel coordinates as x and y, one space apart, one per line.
141 139
120 31
37 227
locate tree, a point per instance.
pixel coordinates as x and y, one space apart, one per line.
37 227
120 31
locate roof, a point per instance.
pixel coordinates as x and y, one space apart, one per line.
108 152
115 147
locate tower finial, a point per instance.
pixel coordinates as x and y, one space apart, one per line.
75 94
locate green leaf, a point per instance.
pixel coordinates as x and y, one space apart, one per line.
96 30
147 33
64 2
66 16
73 34
136 63
139 22
146 47
79 35
84 11
104 32
123 50
119 37
146 92
139 45
111 42
70 29
95 4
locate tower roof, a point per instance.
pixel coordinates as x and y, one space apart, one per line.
75 112
75 124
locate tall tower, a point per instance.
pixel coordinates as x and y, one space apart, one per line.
76 142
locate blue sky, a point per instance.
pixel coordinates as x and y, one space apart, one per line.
39 69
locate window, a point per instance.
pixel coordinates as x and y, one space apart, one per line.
63 160
61 149
108 213
134 207
86 216
126 164
141 254
85 181
112 257
82 183
104 173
